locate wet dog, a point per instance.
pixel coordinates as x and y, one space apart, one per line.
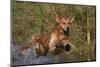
48 42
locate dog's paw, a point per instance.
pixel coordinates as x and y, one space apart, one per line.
67 47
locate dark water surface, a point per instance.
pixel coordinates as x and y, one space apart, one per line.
31 58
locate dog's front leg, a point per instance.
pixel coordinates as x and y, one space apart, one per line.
52 45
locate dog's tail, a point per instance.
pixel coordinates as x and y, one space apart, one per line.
30 44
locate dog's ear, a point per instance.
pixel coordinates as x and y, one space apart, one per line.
71 19
58 18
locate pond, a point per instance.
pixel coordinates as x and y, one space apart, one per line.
31 58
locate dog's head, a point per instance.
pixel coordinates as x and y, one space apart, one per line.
64 22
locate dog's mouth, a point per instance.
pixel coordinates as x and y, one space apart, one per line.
66 32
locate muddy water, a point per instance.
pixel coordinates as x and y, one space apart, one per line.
31 58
